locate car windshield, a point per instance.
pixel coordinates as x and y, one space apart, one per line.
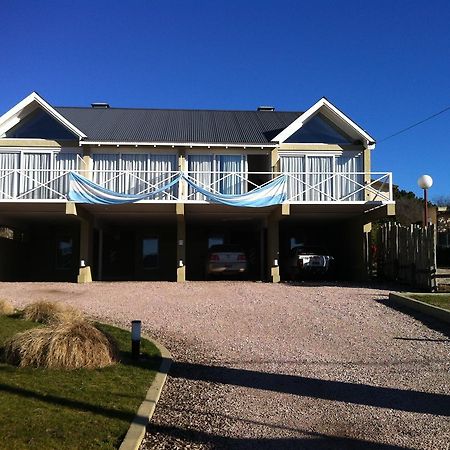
309 250
225 249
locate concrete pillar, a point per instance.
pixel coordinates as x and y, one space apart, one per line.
273 241
182 167
86 251
275 160
367 178
87 165
273 248
181 243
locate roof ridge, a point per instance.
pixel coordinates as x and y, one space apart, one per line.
177 109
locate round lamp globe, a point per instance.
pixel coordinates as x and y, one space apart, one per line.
425 182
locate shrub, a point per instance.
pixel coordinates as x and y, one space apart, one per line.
68 345
6 308
51 313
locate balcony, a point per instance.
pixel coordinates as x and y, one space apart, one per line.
37 185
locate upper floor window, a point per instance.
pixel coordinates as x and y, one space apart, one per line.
319 130
39 124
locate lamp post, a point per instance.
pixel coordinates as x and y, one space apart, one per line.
425 182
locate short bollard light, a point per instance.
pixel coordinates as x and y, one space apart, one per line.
135 338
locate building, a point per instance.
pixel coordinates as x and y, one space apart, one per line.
331 195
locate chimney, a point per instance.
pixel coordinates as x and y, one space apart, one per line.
100 105
266 108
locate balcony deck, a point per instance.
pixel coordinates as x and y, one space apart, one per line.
325 188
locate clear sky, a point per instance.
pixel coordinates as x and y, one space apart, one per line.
384 63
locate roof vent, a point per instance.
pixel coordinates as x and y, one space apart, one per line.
266 108
100 105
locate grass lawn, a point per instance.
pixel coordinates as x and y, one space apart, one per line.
79 409
443 301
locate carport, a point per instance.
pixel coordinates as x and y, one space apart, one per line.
40 242
340 229
208 225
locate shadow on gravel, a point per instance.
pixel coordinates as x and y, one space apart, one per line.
316 441
360 394
428 321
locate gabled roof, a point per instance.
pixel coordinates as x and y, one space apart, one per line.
181 126
29 104
330 111
178 125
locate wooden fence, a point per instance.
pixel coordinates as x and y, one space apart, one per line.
407 255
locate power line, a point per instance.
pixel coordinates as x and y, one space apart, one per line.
415 124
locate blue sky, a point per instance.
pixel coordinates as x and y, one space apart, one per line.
384 63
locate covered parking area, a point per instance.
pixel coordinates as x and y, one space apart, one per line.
39 242
341 230
170 241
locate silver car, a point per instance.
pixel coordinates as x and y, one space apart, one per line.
226 260
308 260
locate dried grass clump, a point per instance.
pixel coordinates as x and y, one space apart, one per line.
6 308
51 313
69 345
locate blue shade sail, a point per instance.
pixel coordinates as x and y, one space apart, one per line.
83 190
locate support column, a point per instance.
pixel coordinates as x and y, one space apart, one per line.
86 251
275 160
368 195
87 165
182 167
181 243
273 249
273 241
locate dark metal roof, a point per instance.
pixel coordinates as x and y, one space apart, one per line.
178 126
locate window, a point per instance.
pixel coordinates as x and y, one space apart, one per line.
150 253
39 124
217 239
225 174
64 253
36 175
136 173
322 177
319 130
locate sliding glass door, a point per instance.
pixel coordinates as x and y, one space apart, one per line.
321 178
225 174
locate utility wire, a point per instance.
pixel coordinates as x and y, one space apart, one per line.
415 124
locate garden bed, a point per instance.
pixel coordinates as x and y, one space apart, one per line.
43 408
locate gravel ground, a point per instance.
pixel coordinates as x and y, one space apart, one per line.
280 366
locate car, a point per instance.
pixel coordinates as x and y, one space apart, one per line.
308 260
226 260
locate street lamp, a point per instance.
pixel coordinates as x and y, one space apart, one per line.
425 182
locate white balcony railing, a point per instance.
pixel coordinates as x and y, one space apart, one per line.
302 187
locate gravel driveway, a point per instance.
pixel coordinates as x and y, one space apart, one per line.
280 366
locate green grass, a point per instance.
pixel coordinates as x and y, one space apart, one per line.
441 300
80 409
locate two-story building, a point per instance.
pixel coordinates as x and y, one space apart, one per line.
164 226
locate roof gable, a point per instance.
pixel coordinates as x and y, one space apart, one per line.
29 105
318 129
39 124
343 123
